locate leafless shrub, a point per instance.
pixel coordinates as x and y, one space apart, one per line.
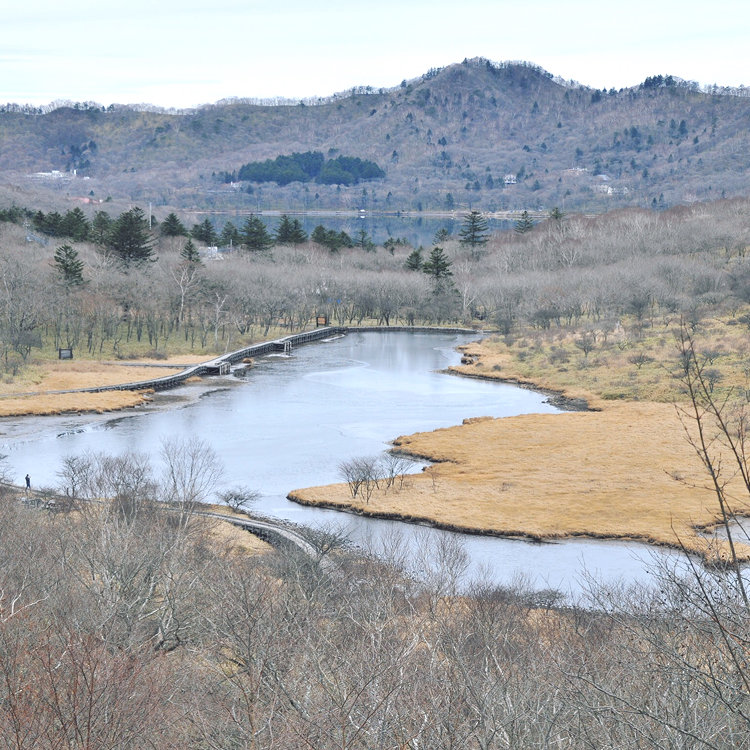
640 359
394 469
239 499
76 475
362 475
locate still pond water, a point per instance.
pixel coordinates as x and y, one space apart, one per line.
416 230
293 420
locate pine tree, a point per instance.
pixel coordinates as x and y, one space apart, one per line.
474 232
414 261
284 231
364 242
319 235
441 235
290 232
298 234
69 266
100 227
230 235
255 236
75 225
173 227
438 267
205 233
524 224
190 254
130 238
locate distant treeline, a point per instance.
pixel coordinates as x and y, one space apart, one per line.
310 166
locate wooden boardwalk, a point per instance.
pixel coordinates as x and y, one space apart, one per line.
221 365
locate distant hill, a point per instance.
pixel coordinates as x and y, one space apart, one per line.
475 134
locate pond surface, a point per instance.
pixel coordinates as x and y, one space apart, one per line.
293 420
416 230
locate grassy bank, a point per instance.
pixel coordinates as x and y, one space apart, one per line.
622 470
33 391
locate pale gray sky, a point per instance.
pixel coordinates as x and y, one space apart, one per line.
182 53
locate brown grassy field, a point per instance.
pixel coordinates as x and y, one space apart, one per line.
622 470
608 474
629 363
31 393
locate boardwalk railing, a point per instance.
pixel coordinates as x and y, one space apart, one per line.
220 365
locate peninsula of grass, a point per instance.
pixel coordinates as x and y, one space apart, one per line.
623 469
47 386
44 388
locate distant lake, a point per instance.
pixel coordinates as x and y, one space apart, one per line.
416 230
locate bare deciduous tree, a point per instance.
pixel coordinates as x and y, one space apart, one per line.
192 472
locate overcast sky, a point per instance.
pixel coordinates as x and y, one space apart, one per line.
183 53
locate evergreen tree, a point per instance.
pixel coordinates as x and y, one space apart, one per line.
284 231
75 225
68 265
364 241
130 238
441 235
100 227
474 232
319 235
50 224
524 224
331 239
173 227
438 267
298 235
255 236
341 239
556 214
290 232
190 254
230 235
205 233
414 261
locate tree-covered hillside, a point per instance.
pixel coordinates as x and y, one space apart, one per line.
472 135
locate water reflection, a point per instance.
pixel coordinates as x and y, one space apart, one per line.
293 420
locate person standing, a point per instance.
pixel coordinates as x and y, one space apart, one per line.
28 482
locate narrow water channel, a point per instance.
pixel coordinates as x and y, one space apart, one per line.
291 422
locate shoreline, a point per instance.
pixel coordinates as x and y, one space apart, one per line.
126 394
519 536
689 534
446 508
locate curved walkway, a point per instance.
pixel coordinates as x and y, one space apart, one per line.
276 534
220 365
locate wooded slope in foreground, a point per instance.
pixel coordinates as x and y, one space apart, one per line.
123 627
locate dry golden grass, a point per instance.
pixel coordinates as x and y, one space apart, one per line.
605 473
64 403
602 474
235 540
632 363
41 378
66 375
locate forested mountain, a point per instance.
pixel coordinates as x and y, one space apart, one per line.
475 134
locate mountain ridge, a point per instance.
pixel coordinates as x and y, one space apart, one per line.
473 134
